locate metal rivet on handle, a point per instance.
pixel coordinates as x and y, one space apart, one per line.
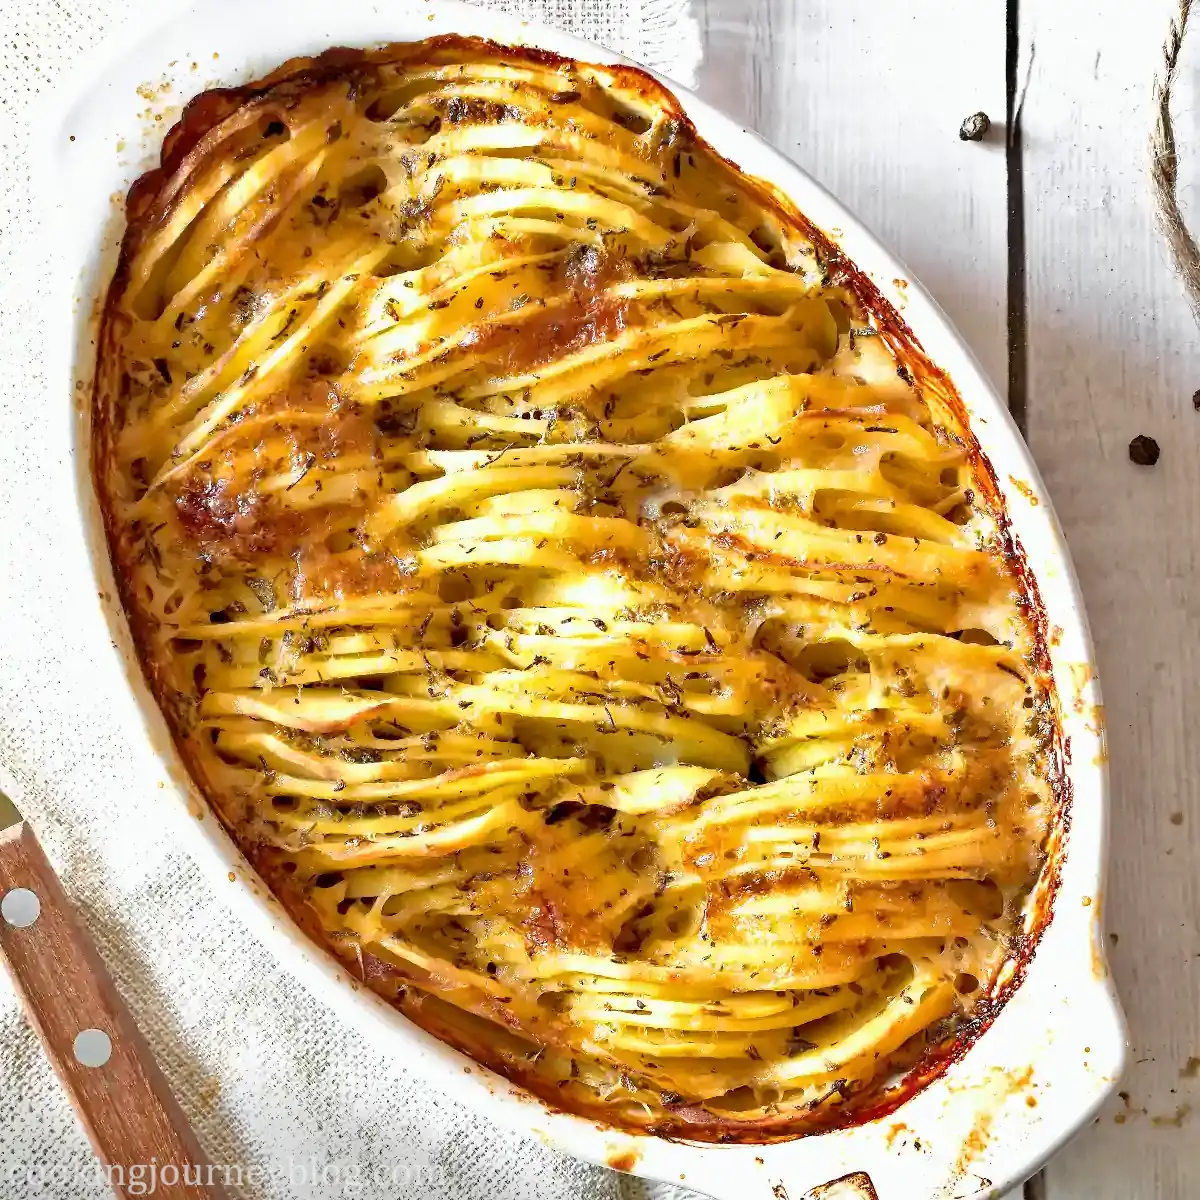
20 908
93 1048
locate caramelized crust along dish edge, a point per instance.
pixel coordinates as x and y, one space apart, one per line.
595 302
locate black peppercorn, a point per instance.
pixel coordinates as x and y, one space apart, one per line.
1143 450
1196 399
975 127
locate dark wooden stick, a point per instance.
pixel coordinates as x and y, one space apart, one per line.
134 1123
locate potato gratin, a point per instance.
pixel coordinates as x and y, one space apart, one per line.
573 588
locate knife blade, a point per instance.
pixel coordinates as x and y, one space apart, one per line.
122 1099
8 813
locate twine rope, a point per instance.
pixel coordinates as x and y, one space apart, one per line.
1164 167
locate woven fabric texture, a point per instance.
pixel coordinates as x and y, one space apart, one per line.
275 1084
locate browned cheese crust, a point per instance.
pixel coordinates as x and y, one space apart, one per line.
572 586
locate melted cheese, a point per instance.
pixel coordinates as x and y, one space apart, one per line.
555 586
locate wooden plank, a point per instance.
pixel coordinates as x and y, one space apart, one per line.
1112 353
869 97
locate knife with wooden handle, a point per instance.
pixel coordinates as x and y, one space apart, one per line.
135 1125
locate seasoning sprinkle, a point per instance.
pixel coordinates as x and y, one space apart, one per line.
975 127
1143 451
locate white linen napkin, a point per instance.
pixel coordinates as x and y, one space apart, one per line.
275 1083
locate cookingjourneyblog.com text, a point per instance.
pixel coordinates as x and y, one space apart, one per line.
298 1179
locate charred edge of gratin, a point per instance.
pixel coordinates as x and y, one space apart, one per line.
150 201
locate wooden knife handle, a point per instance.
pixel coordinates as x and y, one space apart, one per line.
133 1121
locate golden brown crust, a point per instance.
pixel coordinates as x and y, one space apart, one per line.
218 526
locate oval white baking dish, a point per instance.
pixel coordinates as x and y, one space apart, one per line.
1056 1050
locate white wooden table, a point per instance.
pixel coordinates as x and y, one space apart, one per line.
1045 255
